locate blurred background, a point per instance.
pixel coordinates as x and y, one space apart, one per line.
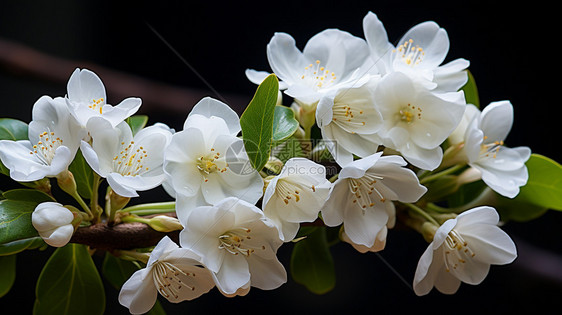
173 54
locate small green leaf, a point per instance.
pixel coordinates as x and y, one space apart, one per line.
257 122
13 129
29 195
517 210
312 264
137 122
15 220
284 123
83 175
466 193
471 91
70 284
7 273
15 247
116 271
544 186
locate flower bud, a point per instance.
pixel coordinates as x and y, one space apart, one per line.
54 223
164 223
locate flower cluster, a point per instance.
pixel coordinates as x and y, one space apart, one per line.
402 137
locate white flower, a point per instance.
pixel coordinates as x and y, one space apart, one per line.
54 138
295 195
501 168
350 118
463 250
415 121
330 60
362 196
206 162
86 99
419 55
53 222
237 243
175 272
129 164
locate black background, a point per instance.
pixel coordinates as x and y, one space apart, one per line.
514 55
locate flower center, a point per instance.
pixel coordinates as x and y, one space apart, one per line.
456 251
167 279
409 54
362 190
409 113
233 242
208 164
344 116
490 150
317 77
289 190
129 161
46 147
97 105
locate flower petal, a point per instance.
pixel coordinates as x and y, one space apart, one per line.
139 293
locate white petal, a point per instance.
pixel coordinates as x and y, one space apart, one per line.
209 107
446 282
426 272
376 36
357 168
118 113
362 227
266 274
284 57
139 293
233 274
433 40
496 122
490 244
338 200
85 86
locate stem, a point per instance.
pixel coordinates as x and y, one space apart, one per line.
83 204
421 212
95 196
151 208
334 178
435 176
142 257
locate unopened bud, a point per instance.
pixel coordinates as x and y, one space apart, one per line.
164 223
66 182
54 223
428 230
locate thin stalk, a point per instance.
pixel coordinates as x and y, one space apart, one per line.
422 213
432 177
157 207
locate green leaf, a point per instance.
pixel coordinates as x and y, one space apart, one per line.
13 129
544 187
7 273
116 271
257 122
70 284
517 210
284 123
15 247
471 91
312 264
83 175
466 193
29 195
137 122
15 220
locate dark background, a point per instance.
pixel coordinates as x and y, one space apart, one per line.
514 55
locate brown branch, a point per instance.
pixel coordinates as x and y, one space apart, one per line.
120 236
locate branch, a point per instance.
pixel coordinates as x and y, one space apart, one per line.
120 236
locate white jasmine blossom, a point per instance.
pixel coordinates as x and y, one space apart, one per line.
237 243
503 169
350 118
86 98
53 222
129 164
361 198
54 138
462 250
419 55
295 195
215 166
174 272
415 121
330 60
